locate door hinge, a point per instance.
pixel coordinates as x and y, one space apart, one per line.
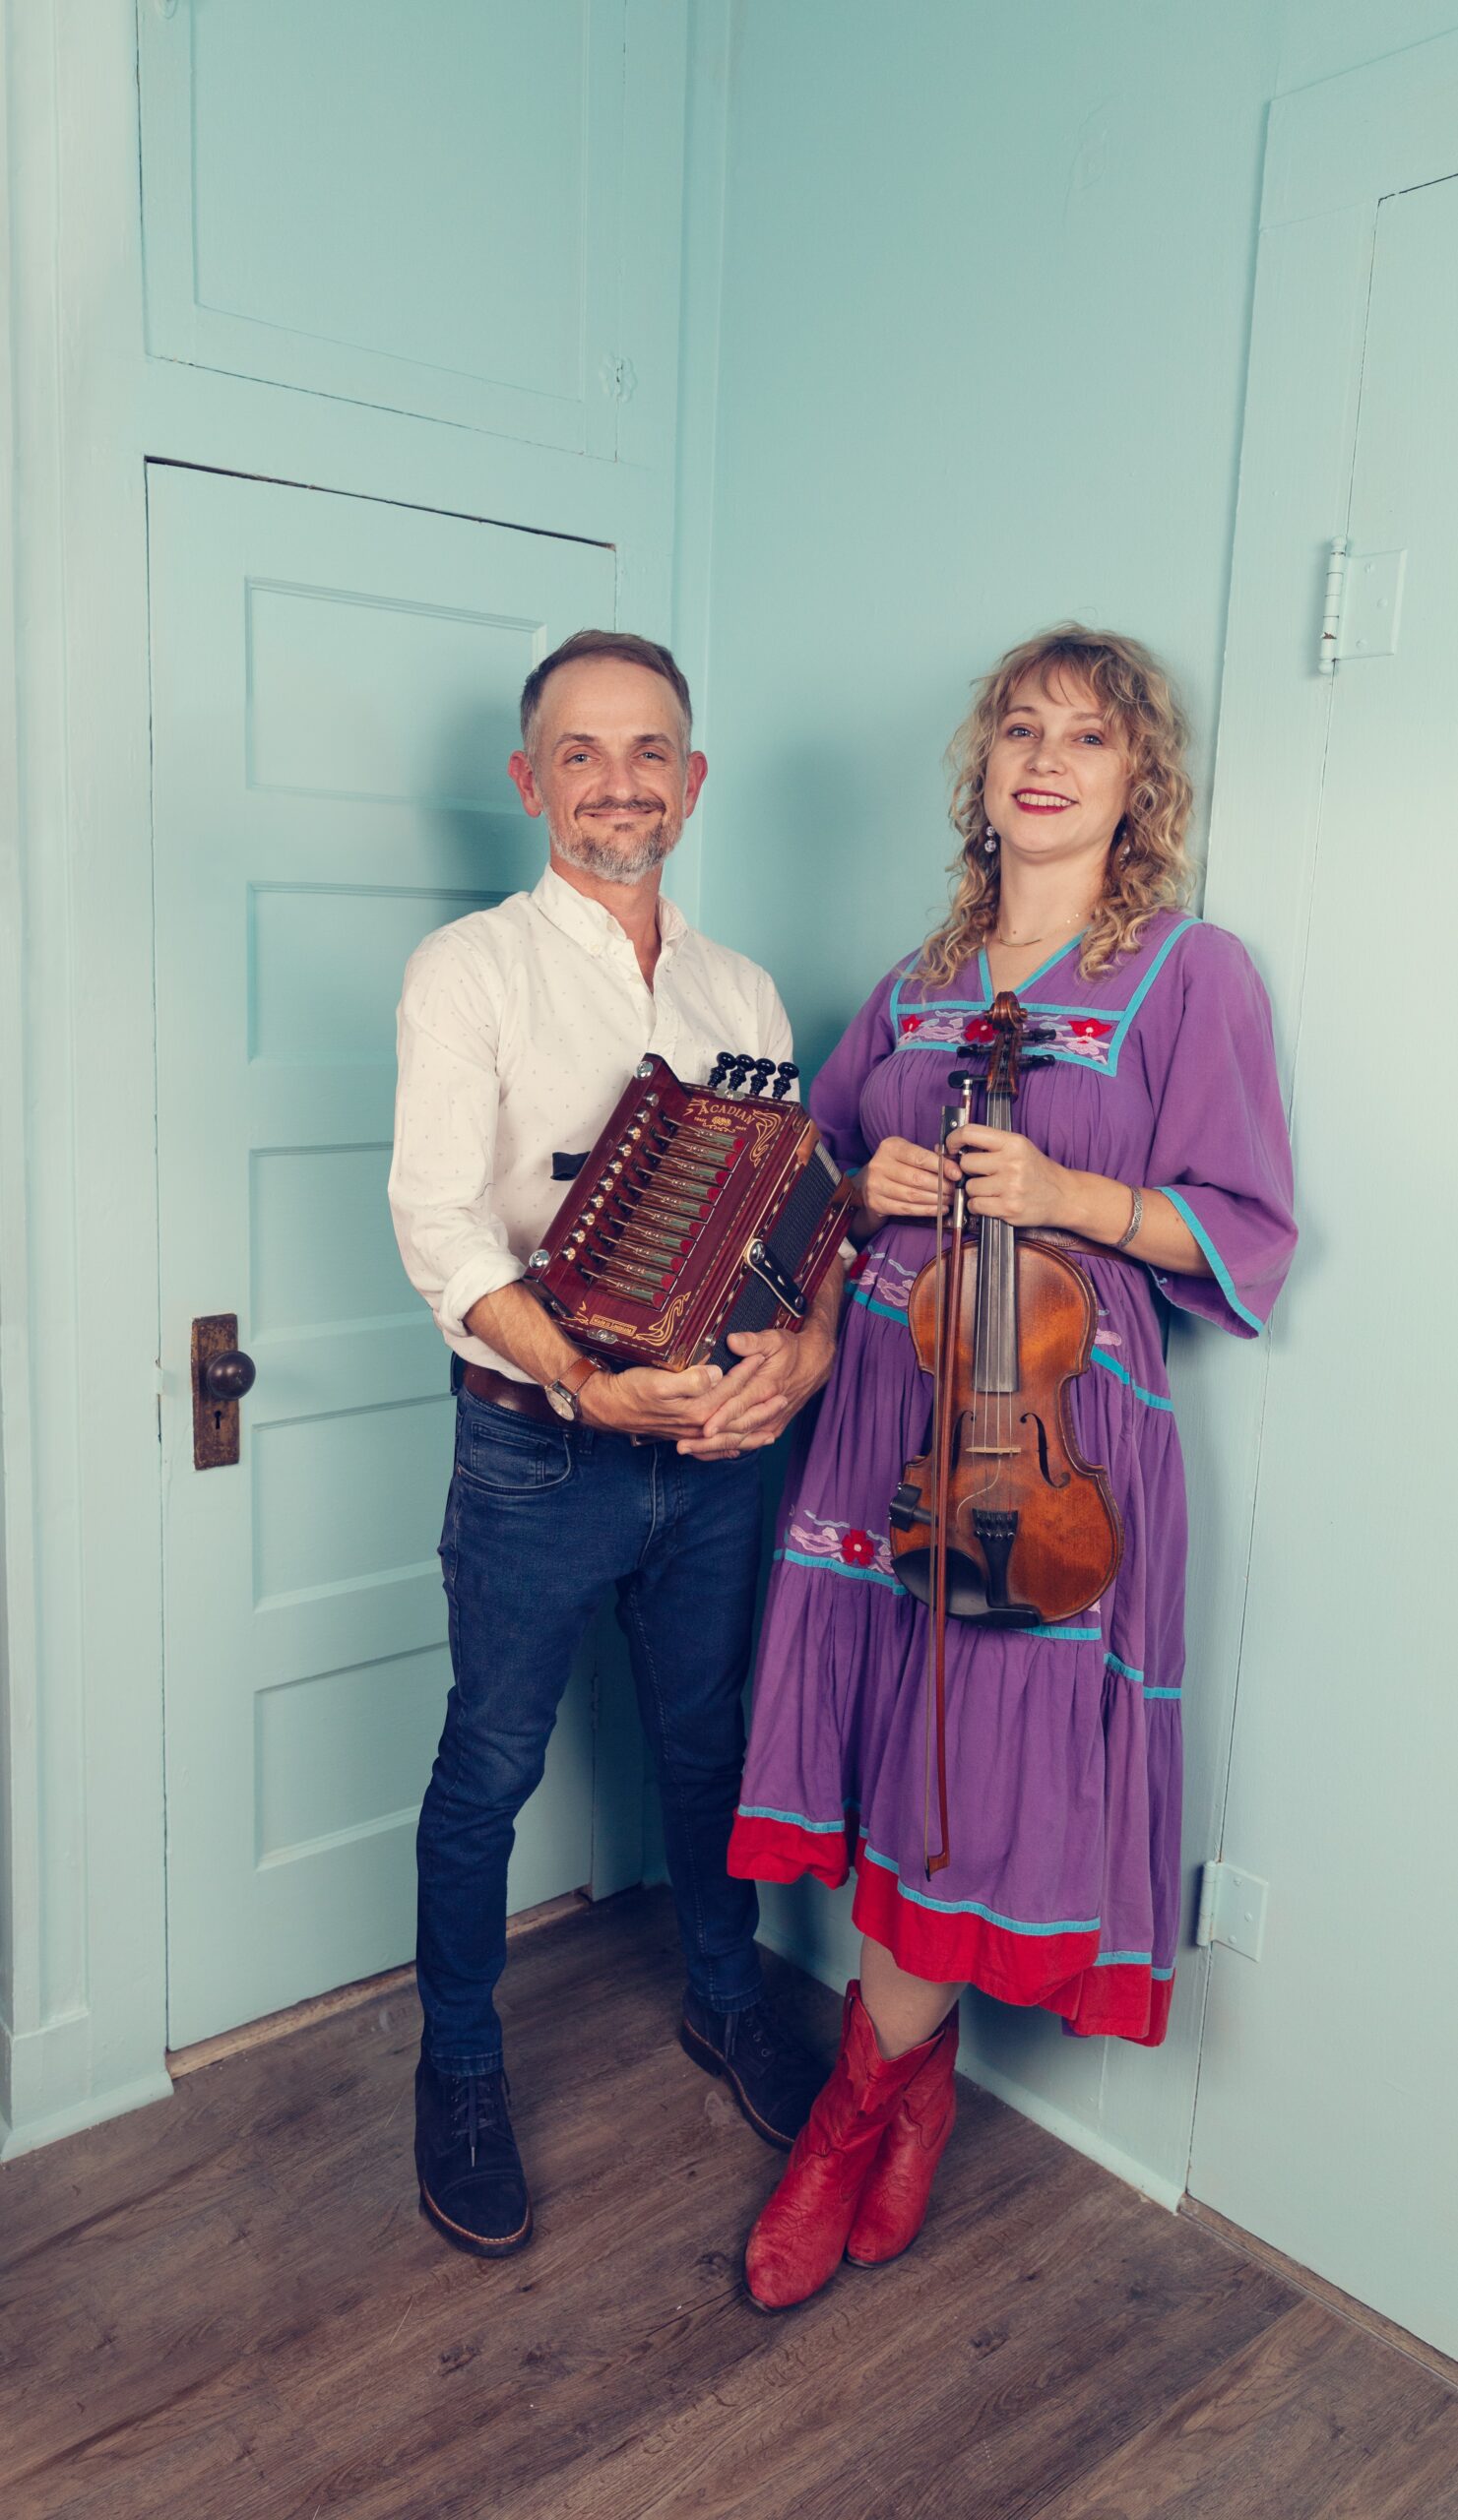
1232 1909
1331 612
617 377
1362 606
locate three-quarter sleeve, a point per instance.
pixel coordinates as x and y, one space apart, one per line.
1221 1152
835 1095
453 1243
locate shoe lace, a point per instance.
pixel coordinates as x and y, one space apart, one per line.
757 2028
478 2106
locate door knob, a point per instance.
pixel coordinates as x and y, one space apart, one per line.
230 1375
221 1375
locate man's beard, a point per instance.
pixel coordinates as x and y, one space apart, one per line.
614 864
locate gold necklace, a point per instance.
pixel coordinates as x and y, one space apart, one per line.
1016 944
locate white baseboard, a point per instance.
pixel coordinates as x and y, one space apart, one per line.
1083 2139
49 2080
73 2121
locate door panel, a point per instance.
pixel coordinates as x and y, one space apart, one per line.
1325 2118
422 209
335 689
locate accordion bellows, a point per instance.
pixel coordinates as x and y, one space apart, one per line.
696 1213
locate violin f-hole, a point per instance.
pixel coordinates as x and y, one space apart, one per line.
1031 1417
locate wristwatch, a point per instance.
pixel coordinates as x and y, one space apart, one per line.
565 1395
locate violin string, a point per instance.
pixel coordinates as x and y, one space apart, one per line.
938 1375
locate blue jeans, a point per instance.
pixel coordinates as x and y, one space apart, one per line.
541 1520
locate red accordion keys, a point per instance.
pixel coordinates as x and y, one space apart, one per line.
694 1215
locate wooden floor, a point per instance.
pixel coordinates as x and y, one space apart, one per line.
228 2304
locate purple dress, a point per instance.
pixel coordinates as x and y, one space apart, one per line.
1063 1743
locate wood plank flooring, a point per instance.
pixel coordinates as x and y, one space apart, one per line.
228 2305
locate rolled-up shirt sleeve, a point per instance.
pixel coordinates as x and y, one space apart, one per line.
453 1243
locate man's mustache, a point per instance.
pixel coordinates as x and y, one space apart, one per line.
621 805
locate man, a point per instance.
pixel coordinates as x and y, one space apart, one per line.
519 1027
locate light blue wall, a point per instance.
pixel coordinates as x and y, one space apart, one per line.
984 304
985 283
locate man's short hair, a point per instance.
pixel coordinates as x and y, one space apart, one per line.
623 644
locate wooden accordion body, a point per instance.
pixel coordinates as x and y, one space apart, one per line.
695 1214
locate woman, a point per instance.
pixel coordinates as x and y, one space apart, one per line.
1156 1133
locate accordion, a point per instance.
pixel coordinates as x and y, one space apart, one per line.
696 1212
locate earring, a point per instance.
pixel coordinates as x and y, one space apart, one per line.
989 843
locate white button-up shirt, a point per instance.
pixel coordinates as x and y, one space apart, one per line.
519 1028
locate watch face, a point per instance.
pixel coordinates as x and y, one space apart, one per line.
561 1399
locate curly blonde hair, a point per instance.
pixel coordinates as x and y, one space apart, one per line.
1147 869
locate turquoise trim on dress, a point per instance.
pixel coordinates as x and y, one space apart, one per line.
869 1303
1121 1016
903 973
1151 1399
1052 963
955 1906
975 1906
1223 1277
1163 1975
792 1819
1063 1635
838 1566
1146 985
1126 1671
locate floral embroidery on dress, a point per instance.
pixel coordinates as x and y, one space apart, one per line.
883 1281
843 1543
1084 1037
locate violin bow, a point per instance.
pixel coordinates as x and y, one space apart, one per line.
947 1321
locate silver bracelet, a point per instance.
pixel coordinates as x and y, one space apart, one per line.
1136 1220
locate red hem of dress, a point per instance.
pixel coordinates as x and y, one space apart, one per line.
1053 1970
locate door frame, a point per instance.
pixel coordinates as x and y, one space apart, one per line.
83 1974
1334 152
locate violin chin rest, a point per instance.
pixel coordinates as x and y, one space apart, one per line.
967 1590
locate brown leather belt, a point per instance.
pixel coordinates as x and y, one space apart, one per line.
525 1398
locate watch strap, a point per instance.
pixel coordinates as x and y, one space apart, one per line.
579 1373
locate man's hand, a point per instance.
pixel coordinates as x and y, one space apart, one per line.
645 1401
777 1372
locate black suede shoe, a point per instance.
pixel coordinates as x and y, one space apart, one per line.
772 2076
473 2186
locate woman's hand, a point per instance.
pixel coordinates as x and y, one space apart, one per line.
1009 1176
899 1180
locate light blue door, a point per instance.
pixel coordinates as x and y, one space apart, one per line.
334 689
1326 2118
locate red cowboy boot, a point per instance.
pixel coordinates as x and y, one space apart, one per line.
898 2186
799 2238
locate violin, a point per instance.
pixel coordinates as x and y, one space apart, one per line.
1001 1521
